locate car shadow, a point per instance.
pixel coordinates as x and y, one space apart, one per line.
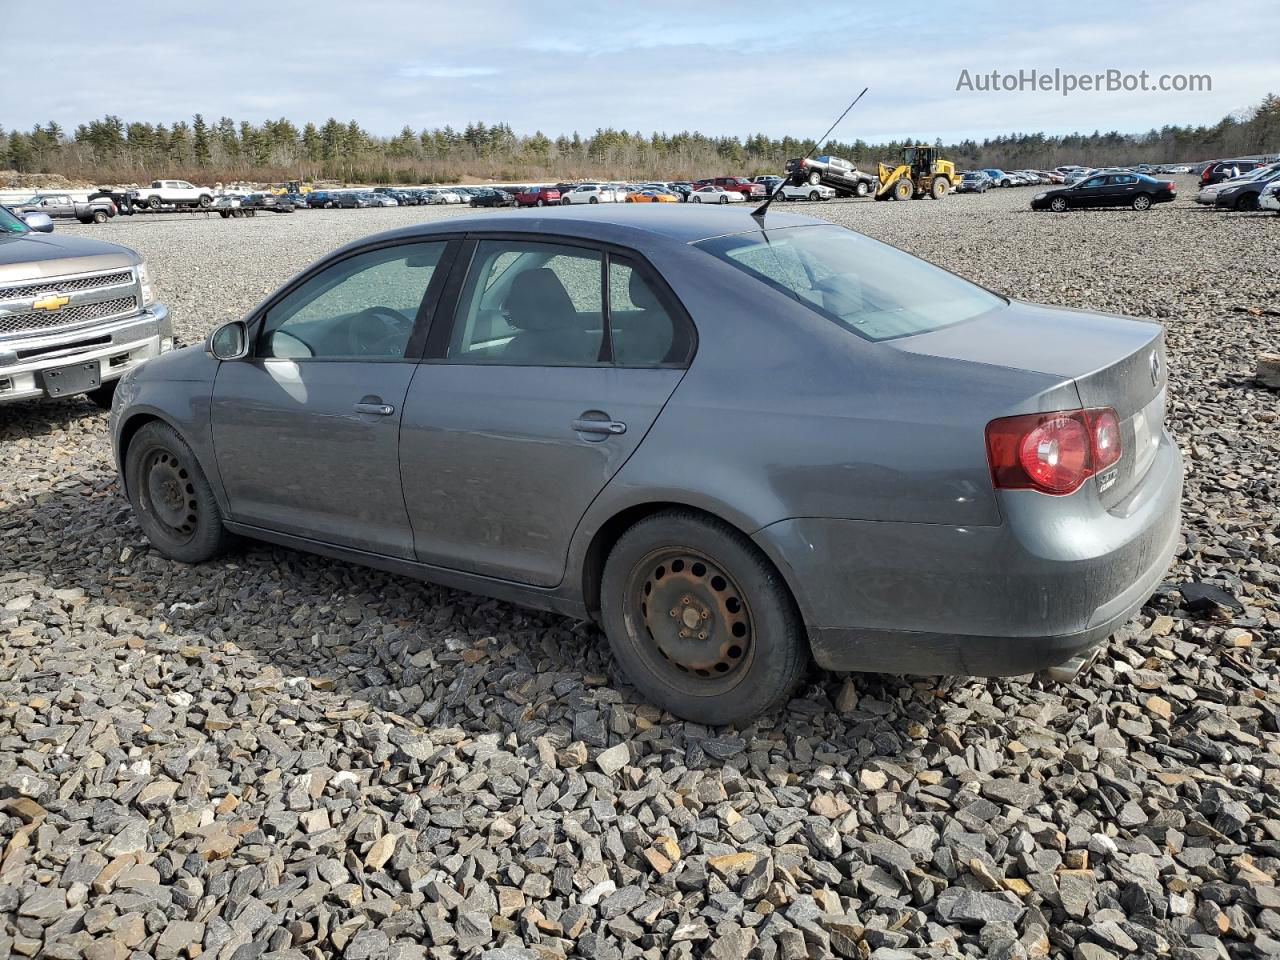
436 657
23 421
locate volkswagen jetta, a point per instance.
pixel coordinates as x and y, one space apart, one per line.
737 443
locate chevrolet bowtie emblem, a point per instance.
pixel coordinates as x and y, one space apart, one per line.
52 302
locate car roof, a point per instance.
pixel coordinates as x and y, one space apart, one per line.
606 223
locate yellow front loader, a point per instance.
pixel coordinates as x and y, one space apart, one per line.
922 173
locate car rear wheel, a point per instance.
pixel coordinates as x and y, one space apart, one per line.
861 189
1058 204
99 216
538 203
724 198
700 621
697 199
815 177
171 498
1142 202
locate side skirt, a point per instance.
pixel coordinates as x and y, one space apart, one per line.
538 598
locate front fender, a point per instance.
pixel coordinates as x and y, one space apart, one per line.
184 405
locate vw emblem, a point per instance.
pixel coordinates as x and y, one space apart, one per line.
1155 367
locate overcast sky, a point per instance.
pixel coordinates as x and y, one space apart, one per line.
730 68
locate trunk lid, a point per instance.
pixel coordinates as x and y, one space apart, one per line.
1115 362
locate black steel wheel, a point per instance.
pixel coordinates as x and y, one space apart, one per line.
700 621
171 497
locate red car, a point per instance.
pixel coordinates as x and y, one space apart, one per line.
744 186
537 197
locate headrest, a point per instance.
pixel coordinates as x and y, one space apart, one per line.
537 300
641 293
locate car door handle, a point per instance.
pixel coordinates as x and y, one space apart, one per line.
376 409
606 427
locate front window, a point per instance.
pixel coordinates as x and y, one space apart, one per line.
360 308
867 287
11 225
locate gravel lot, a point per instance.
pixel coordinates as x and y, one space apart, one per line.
285 756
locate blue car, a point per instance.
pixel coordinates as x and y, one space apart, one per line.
999 177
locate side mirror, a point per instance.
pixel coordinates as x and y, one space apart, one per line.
230 341
37 221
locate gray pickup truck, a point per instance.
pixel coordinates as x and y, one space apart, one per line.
63 206
76 314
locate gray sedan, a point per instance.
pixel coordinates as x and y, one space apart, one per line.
738 446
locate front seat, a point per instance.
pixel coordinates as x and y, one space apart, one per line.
551 331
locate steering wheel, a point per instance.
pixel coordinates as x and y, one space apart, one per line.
377 332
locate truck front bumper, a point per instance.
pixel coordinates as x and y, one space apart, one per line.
117 346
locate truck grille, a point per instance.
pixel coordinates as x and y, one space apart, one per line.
65 285
68 316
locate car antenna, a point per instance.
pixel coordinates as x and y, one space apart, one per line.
761 210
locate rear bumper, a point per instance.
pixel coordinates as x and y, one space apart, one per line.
982 601
118 346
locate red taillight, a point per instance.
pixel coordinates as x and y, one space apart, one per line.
1053 453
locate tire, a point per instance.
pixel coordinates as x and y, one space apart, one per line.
815 178
224 214
100 216
1058 204
1141 202
814 195
101 396
171 498
153 203
1248 202
539 202
85 220
904 189
862 189
206 201
938 189
753 650
1005 182
697 199
724 199
593 200
564 202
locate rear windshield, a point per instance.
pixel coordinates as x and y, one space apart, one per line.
867 287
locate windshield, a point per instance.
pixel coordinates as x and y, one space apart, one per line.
869 288
11 225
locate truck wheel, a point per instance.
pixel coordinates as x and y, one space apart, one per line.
700 620
904 189
815 178
99 216
938 190
171 498
224 214
861 189
153 203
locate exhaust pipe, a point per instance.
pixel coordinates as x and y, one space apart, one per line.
1068 670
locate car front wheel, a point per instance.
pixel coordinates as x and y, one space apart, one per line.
861 189
171 498
1058 204
700 621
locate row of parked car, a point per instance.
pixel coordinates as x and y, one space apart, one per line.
1256 187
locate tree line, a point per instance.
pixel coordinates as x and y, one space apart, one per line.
111 150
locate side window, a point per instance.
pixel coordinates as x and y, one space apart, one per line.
642 331
1095 182
530 304
360 308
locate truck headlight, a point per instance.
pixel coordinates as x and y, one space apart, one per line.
144 280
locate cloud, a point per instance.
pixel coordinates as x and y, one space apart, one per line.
416 70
